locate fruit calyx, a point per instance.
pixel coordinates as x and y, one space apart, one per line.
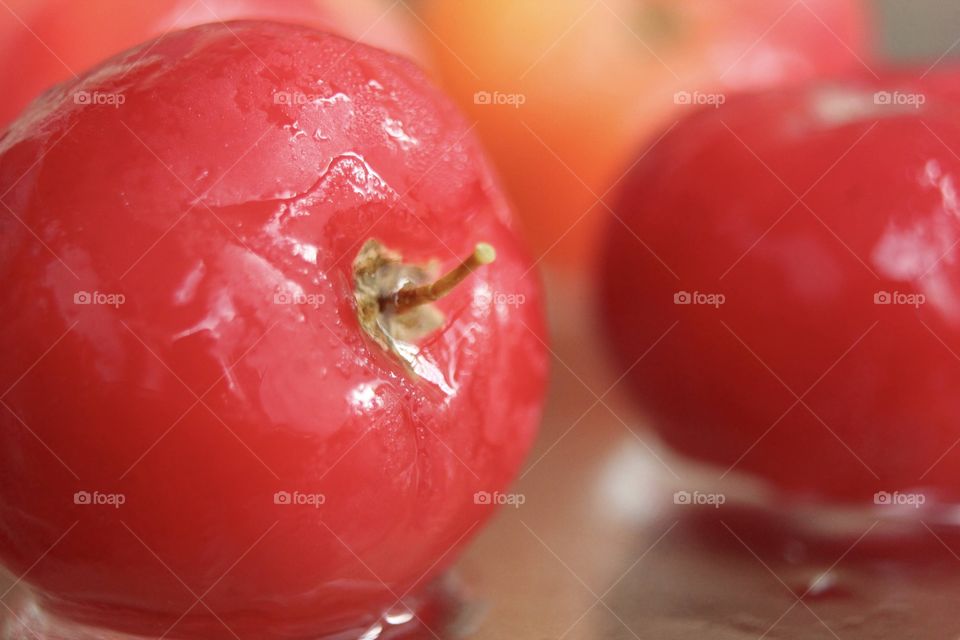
395 299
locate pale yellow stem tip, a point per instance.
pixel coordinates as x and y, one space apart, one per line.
484 253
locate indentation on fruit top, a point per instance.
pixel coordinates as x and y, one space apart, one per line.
379 273
348 170
395 302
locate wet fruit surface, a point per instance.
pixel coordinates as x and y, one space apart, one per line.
791 276
49 41
197 438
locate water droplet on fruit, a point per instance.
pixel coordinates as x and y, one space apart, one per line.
394 129
306 251
188 288
221 311
294 127
373 632
334 99
398 615
364 397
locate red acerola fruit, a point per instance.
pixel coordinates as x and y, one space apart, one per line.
788 287
231 403
44 42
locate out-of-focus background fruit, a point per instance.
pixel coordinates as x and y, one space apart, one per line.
565 95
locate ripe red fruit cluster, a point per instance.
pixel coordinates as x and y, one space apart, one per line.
273 348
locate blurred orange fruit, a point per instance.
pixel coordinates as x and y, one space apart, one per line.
563 92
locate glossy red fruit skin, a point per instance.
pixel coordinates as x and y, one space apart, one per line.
201 199
48 41
716 204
